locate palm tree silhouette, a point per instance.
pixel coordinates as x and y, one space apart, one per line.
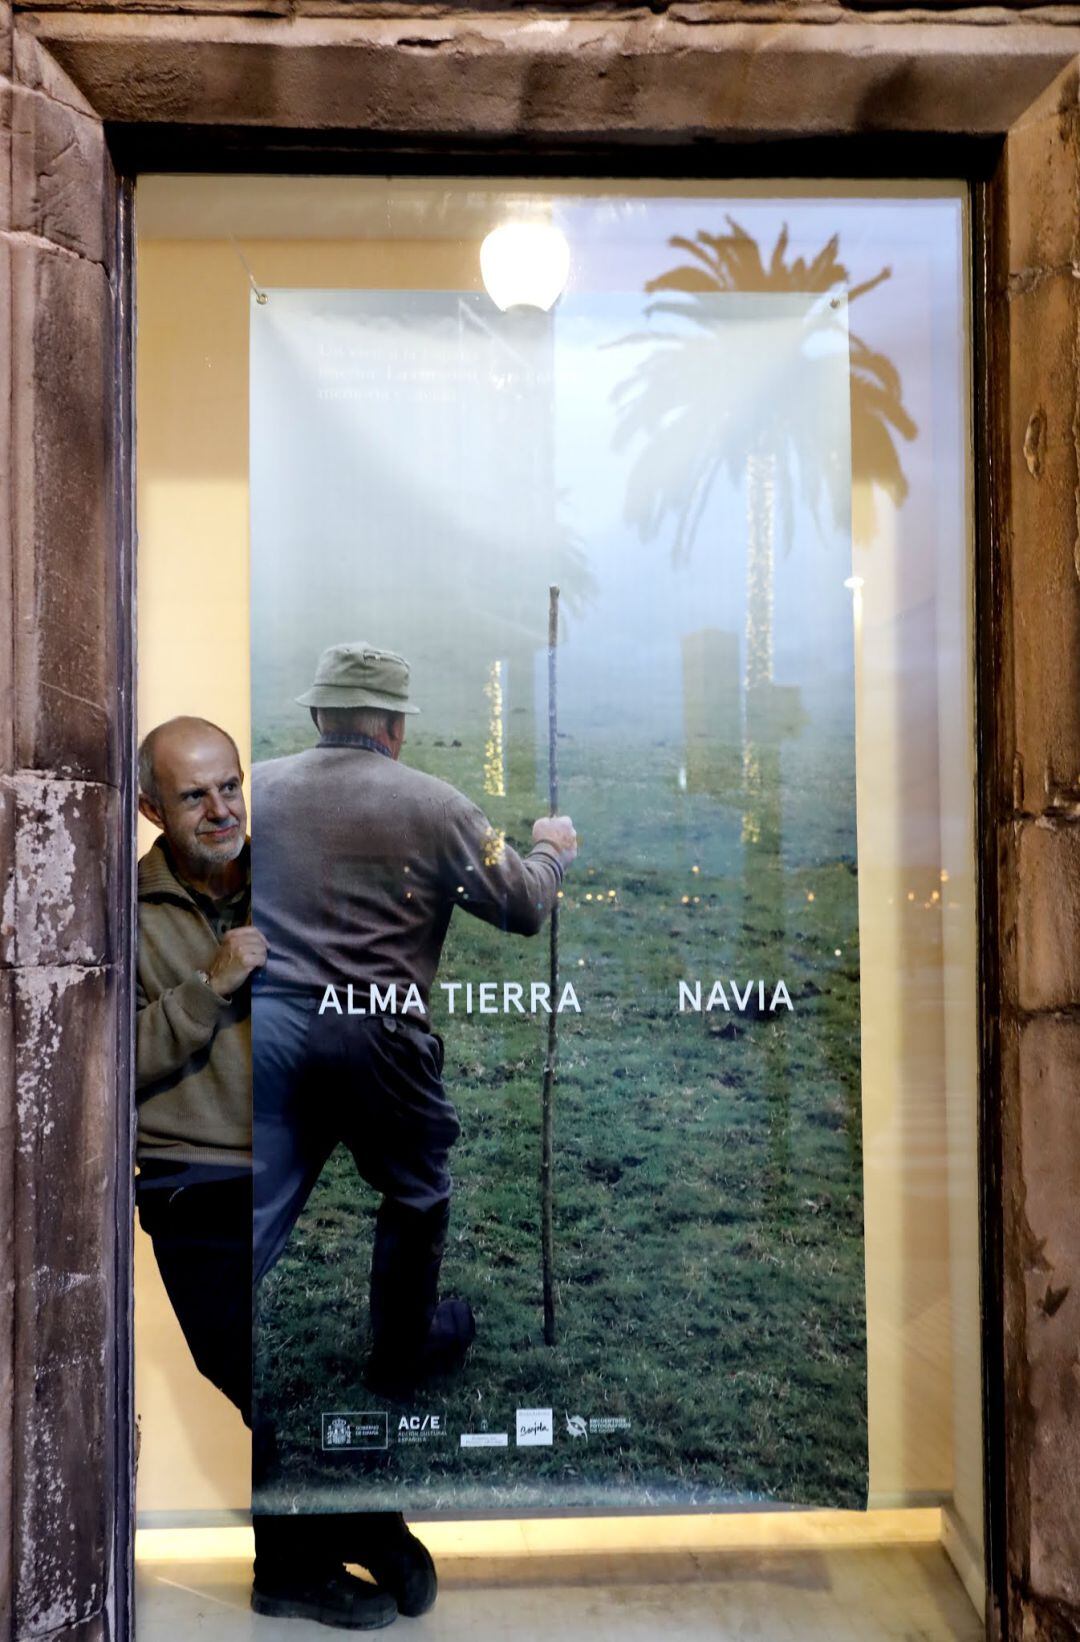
693 425
694 429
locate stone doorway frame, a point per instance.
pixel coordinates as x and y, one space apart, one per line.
90 96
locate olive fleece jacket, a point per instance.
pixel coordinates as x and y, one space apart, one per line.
359 862
192 1048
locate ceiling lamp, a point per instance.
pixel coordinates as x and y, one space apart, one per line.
525 265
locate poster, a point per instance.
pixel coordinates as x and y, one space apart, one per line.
423 469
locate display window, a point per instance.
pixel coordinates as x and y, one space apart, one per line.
583 571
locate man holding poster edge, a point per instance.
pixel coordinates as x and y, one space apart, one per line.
360 863
197 952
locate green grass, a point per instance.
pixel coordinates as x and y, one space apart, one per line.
708 1193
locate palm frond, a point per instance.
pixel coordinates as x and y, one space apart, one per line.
674 405
683 278
868 285
776 261
825 270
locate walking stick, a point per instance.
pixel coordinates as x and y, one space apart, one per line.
547 1101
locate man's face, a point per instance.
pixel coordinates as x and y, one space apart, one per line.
199 802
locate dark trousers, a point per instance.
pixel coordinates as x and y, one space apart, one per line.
199 1221
373 1084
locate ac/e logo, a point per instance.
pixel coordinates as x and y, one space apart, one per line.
421 1422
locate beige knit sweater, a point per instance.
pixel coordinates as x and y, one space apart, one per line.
360 861
192 1048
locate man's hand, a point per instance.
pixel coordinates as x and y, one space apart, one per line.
557 830
240 952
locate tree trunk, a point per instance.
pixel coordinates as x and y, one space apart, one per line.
764 917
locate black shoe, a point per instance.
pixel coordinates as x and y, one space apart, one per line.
340 1599
452 1332
403 1566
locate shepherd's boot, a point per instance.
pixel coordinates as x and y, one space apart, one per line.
413 1335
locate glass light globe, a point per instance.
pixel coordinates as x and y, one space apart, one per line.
525 265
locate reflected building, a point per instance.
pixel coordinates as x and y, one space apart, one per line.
504 603
712 714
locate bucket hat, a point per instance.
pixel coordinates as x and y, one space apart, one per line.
358 675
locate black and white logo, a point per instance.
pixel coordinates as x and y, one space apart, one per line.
414 1428
348 1432
597 1425
535 1428
604 1425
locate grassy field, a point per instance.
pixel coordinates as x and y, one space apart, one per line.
708 1170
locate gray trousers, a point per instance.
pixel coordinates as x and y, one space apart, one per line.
371 1083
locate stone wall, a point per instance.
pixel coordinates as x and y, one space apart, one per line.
63 752
1037 343
543 76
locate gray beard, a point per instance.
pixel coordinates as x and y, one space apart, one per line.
208 857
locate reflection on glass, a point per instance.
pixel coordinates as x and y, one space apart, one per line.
443 496
495 745
789 455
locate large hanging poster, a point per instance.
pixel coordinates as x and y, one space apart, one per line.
423 469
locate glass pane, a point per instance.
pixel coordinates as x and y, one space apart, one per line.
738 443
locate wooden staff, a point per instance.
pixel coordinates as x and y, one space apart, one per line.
547 1104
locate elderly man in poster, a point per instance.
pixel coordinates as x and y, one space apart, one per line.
360 863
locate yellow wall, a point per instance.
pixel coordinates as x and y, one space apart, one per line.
919 1072
194 657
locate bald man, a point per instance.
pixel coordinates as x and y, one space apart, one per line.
197 952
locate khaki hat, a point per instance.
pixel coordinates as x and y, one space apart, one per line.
358 675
